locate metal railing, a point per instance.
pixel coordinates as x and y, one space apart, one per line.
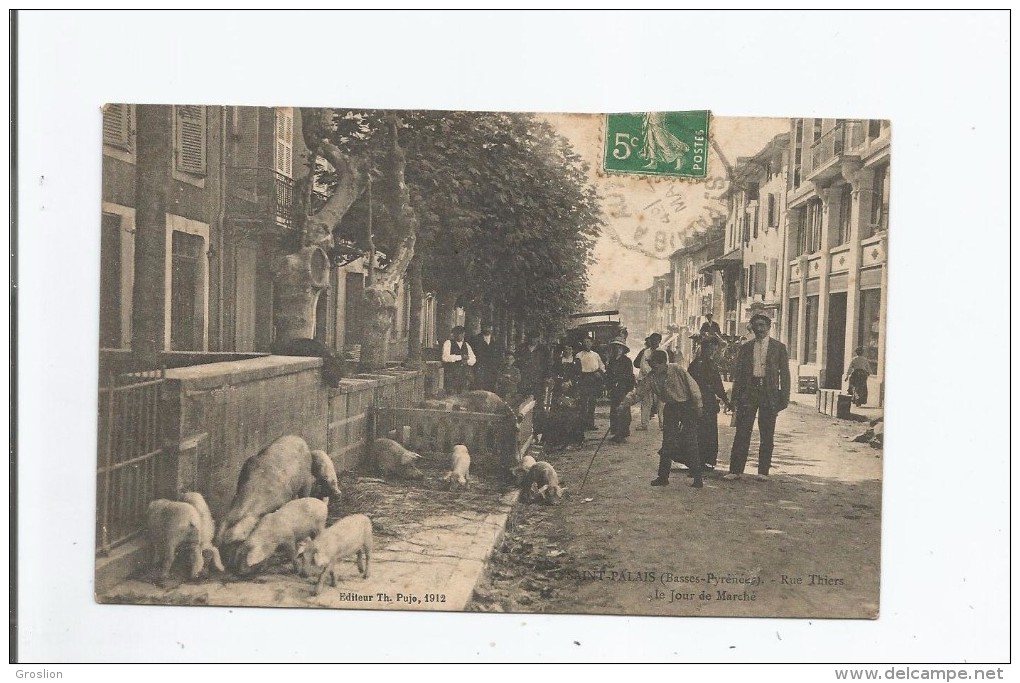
262 193
134 466
841 139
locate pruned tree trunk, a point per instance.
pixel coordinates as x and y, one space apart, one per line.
380 297
300 277
414 326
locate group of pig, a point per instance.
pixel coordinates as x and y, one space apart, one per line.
280 503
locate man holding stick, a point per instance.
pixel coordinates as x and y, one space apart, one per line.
681 410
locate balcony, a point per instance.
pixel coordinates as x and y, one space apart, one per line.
261 196
842 143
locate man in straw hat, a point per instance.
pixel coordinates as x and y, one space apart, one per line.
681 408
589 381
761 386
620 382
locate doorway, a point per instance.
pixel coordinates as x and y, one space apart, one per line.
835 345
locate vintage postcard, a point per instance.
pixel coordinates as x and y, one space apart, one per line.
626 364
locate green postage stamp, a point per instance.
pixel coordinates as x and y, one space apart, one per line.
672 143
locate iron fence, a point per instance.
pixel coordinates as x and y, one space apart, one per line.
134 465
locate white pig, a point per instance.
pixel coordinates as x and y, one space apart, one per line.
391 458
351 535
521 471
207 529
171 525
326 482
460 463
279 473
294 522
542 481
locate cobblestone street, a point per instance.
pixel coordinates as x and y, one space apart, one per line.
805 542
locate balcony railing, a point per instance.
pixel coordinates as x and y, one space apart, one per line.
261 194
844 138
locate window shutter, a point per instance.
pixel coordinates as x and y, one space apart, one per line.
117 126
190 147
759 279
285 141
773 274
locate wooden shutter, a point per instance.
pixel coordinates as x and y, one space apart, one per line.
245 137
190 140
759 279
117 126
285 141
773 274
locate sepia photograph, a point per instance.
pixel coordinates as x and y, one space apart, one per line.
369 337
492 362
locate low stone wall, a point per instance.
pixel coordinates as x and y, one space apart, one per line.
219 415
216 416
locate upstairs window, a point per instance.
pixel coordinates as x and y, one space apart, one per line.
117 126
880 198
190 139
284 154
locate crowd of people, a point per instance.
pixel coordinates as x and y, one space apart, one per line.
567 382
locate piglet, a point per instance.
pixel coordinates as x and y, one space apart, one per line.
543 482
351 535
171 525
294 522
207 528
391 458
460 462
326 482
521 471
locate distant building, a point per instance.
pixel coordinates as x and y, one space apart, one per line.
756 230
697 287
634 310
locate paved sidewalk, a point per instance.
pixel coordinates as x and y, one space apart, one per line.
431 563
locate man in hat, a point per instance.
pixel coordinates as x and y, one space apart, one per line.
487 367
652 342
761 386
457 361
533 362
620 382
681 408
705 372
589 380
710 327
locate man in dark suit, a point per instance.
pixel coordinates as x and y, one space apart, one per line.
533 362
487 360
710 327
761 385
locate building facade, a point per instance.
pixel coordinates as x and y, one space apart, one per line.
838 203
697 288
200 214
